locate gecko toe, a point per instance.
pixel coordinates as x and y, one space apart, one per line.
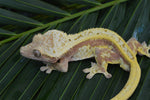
49 71
89 76
86 70
107 75
44 68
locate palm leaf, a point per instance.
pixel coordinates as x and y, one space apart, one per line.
8 17
35 6
5 33
21 79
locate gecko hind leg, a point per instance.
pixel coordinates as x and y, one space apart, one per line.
94 70
136 47
146 49
103 56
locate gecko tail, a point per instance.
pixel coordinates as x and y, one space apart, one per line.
132 83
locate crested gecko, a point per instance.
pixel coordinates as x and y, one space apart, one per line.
56 48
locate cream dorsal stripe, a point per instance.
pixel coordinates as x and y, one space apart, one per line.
62 41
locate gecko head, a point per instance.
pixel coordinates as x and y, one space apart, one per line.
46 48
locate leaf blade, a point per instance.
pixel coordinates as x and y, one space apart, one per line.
12 17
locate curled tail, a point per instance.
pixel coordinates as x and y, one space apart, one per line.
130 86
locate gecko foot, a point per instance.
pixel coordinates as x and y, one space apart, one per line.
94 70
48 69
146 49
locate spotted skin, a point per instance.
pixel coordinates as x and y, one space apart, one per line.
57 49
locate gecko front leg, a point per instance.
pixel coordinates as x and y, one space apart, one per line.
48 68
61 65
103 56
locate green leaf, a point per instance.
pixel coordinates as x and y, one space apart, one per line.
35 6
5 33
6 75
8 17
83 2
21 79
42 5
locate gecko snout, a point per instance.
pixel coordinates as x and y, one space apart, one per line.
26 51
21 50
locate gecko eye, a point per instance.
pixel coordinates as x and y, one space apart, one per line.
36 53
